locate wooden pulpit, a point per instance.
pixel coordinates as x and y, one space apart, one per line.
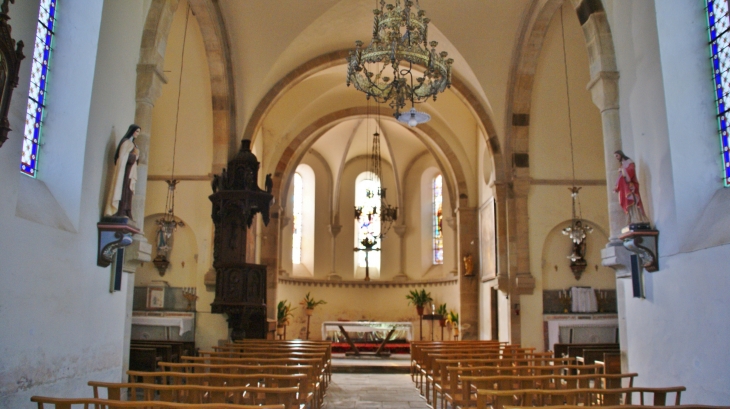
240 289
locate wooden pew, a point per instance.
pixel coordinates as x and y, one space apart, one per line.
143 359
253 395
439 373
455 393
286 365
498 399
86 403
562 349
256 378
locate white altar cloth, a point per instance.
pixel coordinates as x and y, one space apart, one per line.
367 326
184 322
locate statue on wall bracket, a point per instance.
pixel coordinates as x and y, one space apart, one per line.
638 236
114 229
11 54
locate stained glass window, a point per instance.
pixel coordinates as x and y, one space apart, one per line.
298 198
438 220
38 84
368 224
719 22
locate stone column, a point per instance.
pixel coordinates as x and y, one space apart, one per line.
270 239
400 230
451 222
604 91
468 239
334 229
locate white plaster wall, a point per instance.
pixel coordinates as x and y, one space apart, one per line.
679 334
61 326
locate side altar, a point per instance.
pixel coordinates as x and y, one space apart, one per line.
240 287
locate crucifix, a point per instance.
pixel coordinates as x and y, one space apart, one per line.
368 245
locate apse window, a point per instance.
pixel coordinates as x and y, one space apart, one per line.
37 95
367 225
438 219
297 207
718 23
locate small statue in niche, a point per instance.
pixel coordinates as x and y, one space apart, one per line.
627 187
468 265
119 201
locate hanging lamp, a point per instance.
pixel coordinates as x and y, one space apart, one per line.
169 223
578 229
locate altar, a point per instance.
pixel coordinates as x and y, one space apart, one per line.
167 325
367 331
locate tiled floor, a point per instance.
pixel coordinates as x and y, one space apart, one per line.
376 391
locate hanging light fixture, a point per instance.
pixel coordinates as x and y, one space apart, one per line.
577 230
386 213
168 223
384 70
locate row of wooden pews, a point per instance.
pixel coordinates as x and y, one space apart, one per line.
246 374
489 374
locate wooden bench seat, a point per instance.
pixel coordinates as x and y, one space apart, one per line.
45 402
249 394
498 399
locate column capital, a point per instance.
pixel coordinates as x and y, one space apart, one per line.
604 90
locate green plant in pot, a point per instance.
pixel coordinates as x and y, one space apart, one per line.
441 310
309 303
283 313
419 299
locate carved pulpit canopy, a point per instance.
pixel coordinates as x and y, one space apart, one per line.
240 184
11 54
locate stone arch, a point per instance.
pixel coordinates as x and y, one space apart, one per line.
300 145
151 77
338 57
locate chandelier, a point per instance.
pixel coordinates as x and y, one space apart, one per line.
384 69
577 230
386 213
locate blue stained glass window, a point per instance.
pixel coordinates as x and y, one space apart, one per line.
298 198
35 111
718 23
368 224
438 220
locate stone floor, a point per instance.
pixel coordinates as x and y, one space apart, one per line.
376 391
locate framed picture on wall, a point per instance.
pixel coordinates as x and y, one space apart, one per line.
488 238
155 298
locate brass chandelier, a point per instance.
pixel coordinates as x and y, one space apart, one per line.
384 69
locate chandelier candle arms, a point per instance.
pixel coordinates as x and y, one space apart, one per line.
384 69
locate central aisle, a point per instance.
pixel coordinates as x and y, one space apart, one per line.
376 391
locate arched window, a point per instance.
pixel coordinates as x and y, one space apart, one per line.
297 207
301 227
438 234
38 85
368 224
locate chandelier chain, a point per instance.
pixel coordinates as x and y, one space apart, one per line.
567 92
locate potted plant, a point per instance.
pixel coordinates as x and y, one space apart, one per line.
309 303
419 299
453 319
283 313
441 310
